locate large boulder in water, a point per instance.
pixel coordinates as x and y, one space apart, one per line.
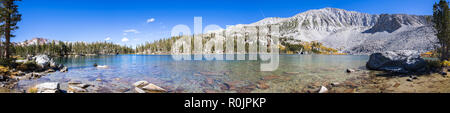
400 61
43 61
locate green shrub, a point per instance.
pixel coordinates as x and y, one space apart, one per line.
434 64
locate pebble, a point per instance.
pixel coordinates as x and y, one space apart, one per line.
76 89
396 85
350 70
409 79
271 77
262 85
244 90
350 84
210 91
349 90
413 77
229 86
210 81
335 84
153 88
140 83
323 89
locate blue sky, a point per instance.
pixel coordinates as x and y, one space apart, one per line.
97 20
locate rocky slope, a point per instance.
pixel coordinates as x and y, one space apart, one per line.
356 33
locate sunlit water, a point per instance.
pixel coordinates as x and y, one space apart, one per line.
293 74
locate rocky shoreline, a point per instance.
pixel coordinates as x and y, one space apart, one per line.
33 67
401 71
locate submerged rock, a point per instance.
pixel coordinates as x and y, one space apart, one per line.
262 85
229 86
409 79
140 83
210 91
49 87
271 77
400 61
103 67
413 77
139 90
335 84
78 84
152 88
209 81
76 89
146 87
350 70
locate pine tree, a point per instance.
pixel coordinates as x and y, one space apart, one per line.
441 20
9 15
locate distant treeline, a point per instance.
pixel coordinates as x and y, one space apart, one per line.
59 48
287 46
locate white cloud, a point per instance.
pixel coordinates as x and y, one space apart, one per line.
125 39
132 31
150 20
108 38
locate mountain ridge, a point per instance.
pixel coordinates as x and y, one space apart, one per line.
355 32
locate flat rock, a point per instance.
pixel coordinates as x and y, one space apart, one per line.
139 90
140 83
49 87
152 88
